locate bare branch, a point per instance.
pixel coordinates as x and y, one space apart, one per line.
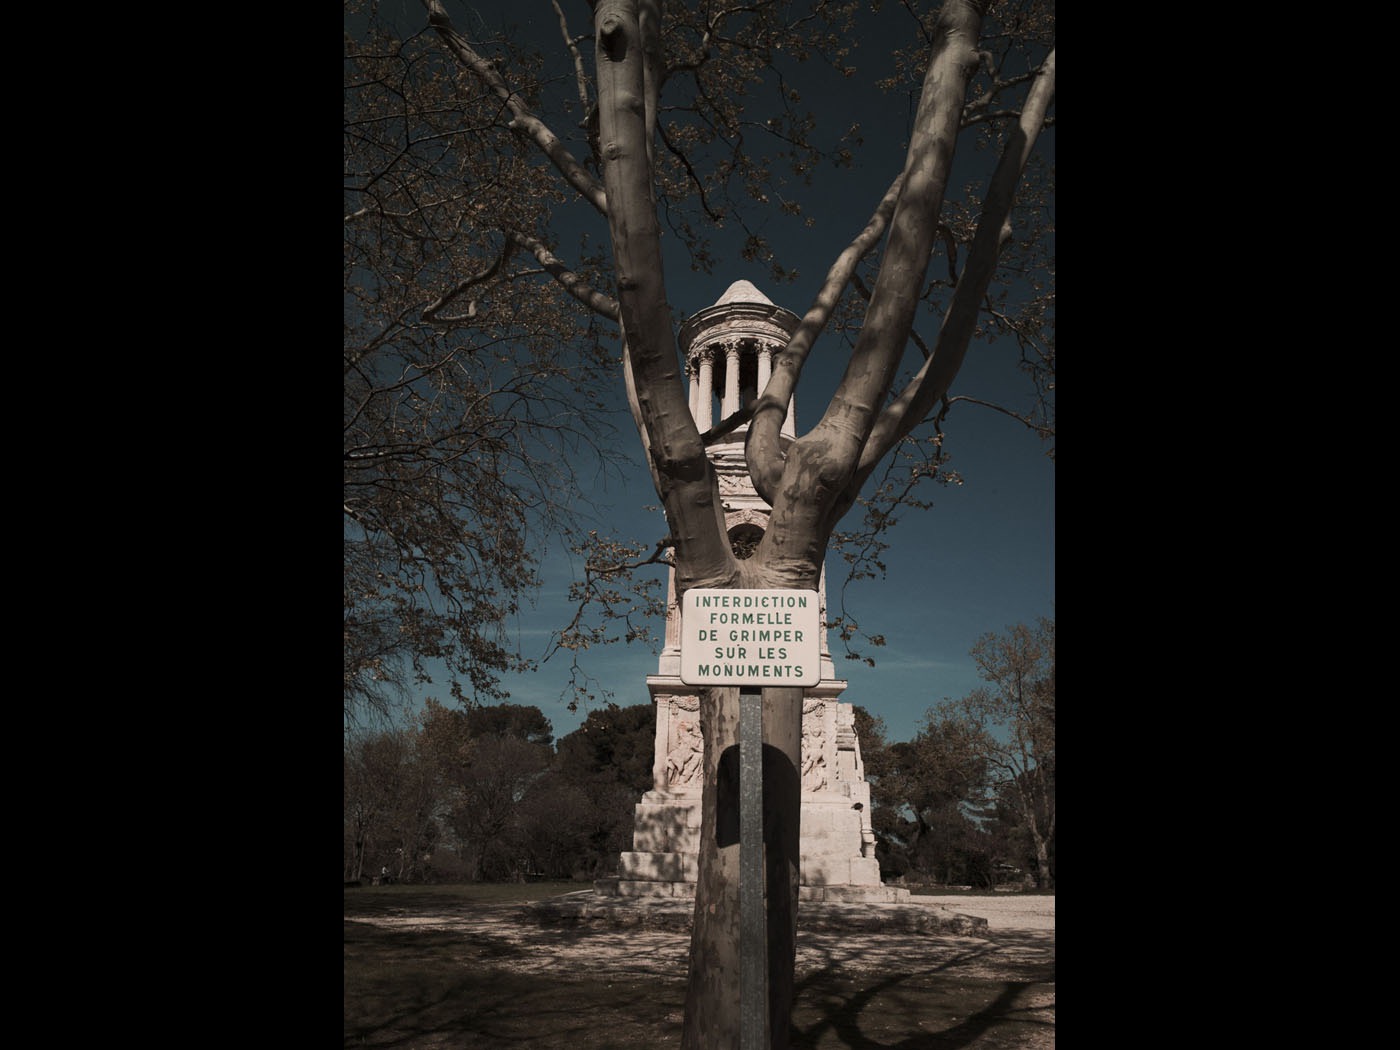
568 280
1039 429
525 120
355 358
580 75
589 591
993 229
430 312
762 448
726 425
699 184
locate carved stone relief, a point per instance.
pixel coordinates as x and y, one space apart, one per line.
813 745
686 751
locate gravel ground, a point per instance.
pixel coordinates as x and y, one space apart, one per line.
1019 940
980 974
1002 911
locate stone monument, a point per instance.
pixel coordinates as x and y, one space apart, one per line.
729 349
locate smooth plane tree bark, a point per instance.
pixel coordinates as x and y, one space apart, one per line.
688 486
955 335
712 1017
814 490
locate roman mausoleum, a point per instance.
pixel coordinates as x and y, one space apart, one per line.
729 349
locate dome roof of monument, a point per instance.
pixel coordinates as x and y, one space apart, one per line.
741 312
742 292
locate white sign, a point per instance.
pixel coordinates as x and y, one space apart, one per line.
750 638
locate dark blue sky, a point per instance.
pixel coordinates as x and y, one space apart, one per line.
981 559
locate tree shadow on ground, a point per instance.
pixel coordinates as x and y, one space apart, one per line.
940 1007
431 990
919 1012
470 989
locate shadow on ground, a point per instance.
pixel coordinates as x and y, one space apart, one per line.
481 977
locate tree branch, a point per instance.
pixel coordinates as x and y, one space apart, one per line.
762 447
580 75
686 480
993 230
855 405
571 282
430 312
526 121
690 171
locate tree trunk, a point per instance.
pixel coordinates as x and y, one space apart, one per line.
782 840
1042 863
358 859
712 993
712 1017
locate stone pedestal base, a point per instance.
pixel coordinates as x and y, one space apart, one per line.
835 843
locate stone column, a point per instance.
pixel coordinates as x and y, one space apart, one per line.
704 418
748 391
766 353
692 374
731 380
673 611
660 743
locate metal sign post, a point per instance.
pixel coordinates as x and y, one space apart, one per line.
751 638
753 936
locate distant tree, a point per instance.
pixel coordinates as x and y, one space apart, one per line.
927 801
391 806
487 762
576 830
1021 847
493 790
608 761
613 745
1012 722
527 723
557 823
367 797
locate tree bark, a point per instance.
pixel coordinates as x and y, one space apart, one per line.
816 487
686 480
1042 862
712 1017
782 840
712 992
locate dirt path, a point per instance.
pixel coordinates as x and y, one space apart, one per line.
469 975
1019 943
